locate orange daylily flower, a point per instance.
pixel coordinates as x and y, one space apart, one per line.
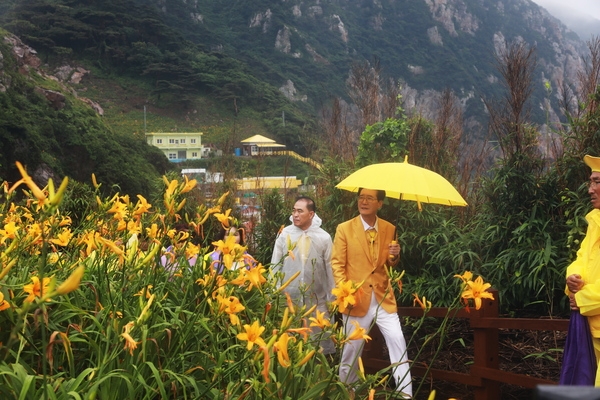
188 185
465 277
63 238
224 218
229 249
90 239
146 290
319 320
3 303
281 347
477 291
130 343
425 304
302 331
231 305
252 335
358 333
36 289
142 206
255 276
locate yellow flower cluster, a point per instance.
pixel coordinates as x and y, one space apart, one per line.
474 289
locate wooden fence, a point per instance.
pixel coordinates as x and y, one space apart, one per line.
484 374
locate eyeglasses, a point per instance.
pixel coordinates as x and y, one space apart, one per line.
593 183
370 199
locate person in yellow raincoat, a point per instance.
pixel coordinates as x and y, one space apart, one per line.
583 275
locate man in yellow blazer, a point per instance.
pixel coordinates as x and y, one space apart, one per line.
362 249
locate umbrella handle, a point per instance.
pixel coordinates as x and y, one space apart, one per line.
392 242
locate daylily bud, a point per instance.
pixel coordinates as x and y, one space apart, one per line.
72 282
288 282
306 358
56 198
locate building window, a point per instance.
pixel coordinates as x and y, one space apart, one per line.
171 141
172 156
158 141
193 141
182 141
194 154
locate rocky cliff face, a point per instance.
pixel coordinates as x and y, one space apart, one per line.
426 44
28 63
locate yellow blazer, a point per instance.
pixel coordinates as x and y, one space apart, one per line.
352 260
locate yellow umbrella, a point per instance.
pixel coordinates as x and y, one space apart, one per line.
406 182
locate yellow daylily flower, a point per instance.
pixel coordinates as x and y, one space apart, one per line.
142 206
191 250
252 335
153 231
119 210
358 333
10 230
118 250
319 320
290 247
224 218
344 294
36 289
281 347
465 277
133 226
94 181
477 291
231 305
188 185
144 292
304 332
3 303
222 198
130 343
255 276
171 186
63 238
90 239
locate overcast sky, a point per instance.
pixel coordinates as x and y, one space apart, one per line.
580 7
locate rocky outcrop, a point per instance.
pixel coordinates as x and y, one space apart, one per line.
290 91
282 41
453 13
338 26
57 99
262 20
29 63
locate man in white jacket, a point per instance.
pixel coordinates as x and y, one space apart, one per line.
311 248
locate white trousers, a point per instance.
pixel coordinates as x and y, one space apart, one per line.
389 325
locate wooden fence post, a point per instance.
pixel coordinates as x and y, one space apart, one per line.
486 345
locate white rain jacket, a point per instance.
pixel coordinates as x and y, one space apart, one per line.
314 284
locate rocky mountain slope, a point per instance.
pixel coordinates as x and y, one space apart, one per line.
307 47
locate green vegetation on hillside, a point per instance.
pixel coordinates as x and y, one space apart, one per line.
71 140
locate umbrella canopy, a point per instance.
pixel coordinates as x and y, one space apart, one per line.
406 182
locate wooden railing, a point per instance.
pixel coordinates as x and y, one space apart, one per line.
484 375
